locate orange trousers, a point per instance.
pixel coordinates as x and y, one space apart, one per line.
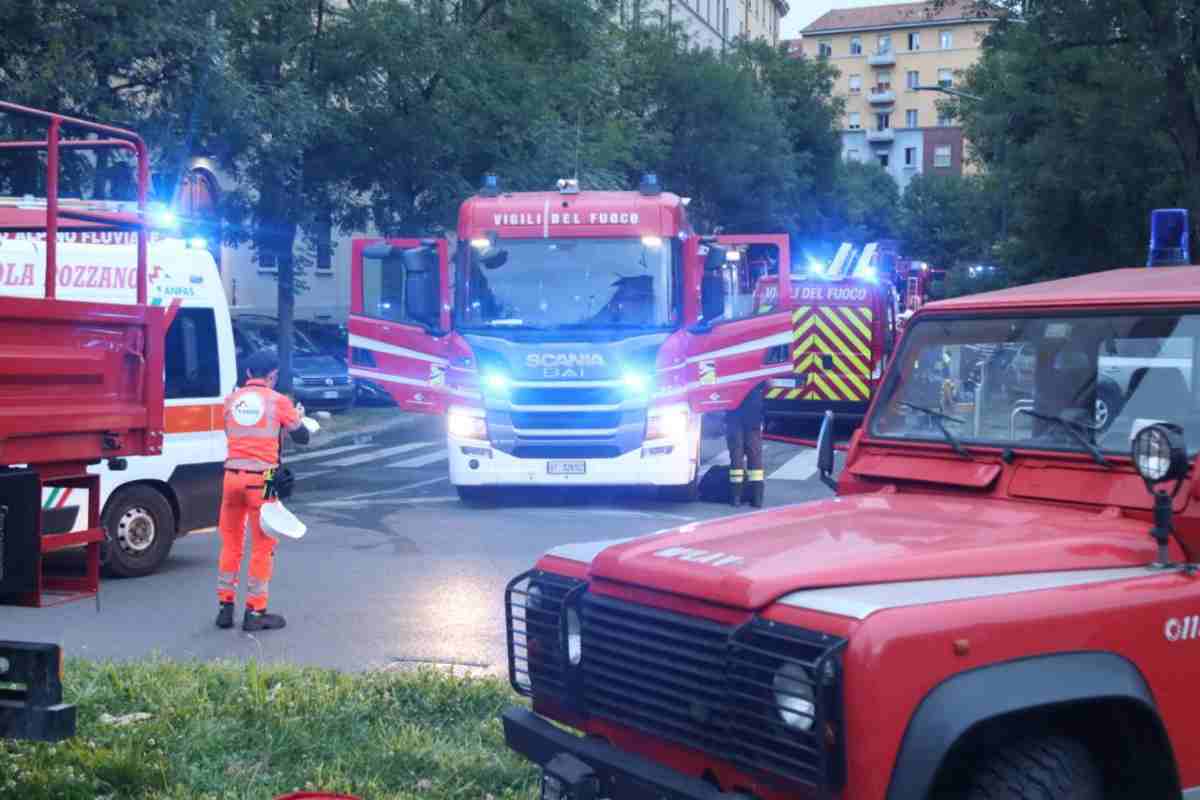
241 500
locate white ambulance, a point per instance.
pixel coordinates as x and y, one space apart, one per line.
146 506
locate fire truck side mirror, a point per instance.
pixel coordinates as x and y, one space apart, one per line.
825 451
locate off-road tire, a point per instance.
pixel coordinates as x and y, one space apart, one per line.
126 505
1046 768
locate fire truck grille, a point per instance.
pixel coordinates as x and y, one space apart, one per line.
558 420
566 395
729 692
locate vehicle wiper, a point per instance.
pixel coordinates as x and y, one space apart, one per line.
1071 428
937 417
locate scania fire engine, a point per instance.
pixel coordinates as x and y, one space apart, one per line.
572 337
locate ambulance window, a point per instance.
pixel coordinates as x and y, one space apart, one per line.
192 364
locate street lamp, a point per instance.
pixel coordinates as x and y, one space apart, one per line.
1000 155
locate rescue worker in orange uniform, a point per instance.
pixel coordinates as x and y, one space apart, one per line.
255 418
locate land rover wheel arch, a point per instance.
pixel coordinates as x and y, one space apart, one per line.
962 703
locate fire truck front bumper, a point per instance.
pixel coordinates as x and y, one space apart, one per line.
589 769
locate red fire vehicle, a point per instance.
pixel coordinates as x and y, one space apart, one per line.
573 336
1002 601
82 384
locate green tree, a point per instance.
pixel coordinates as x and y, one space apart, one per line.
944 220
866 205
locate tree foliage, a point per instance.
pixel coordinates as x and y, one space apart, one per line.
385 114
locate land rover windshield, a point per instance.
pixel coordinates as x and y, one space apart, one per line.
568 285
1084 382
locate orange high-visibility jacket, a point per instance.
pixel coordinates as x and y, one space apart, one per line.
254 417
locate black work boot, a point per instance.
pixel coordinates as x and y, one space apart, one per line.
225 616
262 621
756 494
735 493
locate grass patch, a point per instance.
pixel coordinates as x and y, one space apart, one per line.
220 731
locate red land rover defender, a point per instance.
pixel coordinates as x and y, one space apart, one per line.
1000 602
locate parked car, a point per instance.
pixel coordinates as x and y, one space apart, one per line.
318 380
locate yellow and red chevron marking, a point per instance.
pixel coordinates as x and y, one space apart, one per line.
840 334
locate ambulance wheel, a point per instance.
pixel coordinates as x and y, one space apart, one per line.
476 495
1051 766
141 529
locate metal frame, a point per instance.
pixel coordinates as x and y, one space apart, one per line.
63 461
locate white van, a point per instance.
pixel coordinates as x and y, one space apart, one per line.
146 506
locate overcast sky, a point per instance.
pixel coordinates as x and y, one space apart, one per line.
805 11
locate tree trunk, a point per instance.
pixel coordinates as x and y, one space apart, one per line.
287 303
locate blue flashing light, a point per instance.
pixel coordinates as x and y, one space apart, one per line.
491 185
649 184
496 382
1168 238
635 382
868 273
816 266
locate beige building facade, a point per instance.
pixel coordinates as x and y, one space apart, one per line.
882 53
713 23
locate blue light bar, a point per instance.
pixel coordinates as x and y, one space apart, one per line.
1168 238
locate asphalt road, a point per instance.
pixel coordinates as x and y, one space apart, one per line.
394 570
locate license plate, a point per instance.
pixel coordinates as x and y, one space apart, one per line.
330 395
566 467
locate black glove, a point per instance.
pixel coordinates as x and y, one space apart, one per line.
284 482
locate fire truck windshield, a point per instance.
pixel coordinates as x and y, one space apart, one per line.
568 285
1079 383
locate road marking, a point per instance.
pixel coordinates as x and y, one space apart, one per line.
314 474
375 455
442 479
799 467
307 455
398 501
721 458
420 461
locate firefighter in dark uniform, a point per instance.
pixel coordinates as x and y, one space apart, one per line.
744 436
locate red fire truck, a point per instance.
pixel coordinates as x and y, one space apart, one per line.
82 384
1002 601
571 337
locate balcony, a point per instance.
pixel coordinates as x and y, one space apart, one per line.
886 136
887 59
881 97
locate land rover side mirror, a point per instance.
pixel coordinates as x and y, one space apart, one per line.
825 451
421 285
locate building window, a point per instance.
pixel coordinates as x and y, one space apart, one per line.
855 84
945 78
941 156
885 43
883 159
914 40
884 82
856 45
910 118
825 49
945 121
914 79
910 156
883 121
947 40
855 121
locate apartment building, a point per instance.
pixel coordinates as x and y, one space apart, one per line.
713 23
882 53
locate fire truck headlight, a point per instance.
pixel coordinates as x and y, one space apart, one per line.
670 422
652 241
465 423
794 697
481 244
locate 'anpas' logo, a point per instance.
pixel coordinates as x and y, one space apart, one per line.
248 409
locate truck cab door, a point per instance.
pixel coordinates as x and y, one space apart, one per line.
743 334
400 319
